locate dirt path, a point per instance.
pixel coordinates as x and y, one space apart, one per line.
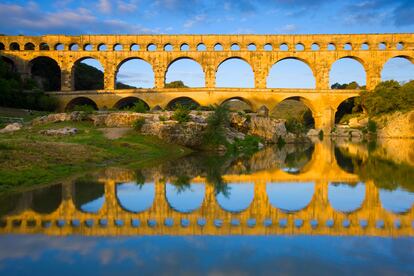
113 133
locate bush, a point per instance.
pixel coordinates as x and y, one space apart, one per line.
249 145
139 107
294 126
320 135
162 118
181 114
216 124
85 108
138 123
388 96
372 126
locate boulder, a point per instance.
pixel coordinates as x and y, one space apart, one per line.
11 128
313 132
59 132
267 128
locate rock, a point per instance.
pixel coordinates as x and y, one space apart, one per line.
232 135
59 132
263 111
267 128
156 108
396 125
11 128
52 118
313 132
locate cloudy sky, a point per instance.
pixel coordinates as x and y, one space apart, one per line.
210 16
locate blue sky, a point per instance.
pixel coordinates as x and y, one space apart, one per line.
221 17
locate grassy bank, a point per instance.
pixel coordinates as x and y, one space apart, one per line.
28 158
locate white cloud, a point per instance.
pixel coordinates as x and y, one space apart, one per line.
196 19
288 28
105 6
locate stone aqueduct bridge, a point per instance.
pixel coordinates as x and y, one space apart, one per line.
259 218
260 51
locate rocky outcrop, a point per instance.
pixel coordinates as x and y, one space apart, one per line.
11 128
396 125
60 132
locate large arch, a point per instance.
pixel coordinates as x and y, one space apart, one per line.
291 73
129 102
9 62
239 104
135 197
80 101
184 199
235 72
87 74
346 108
47 73
399 68
295 109
290 197
183 101
88 194
239 197
47 200
187 70
346 197
134 73
345 71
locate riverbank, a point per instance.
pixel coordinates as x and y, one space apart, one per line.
28 157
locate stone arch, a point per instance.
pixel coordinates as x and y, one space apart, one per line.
135 197
87 47
342 59
178 196
239 198
2 48
80 101
302 62
184 47
304 100
47 200
47 72
117 47
141 67
59 47
347 106
10 62
102 47
14 46
201 47
134 47
185 101
82 81
287 107
251 47
346 197
44 46
88 194
196 68
129 102
29 46
168 47
400 59
229 80
74 47
290 197
241 99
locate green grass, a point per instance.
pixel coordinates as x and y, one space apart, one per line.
28 158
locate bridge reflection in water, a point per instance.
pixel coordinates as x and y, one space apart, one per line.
314 200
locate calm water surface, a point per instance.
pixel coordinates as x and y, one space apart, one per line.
322 209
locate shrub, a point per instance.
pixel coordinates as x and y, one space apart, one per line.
162 118
320 135
139 107
181 114
294 126
138 123
280 142
216 124
248 145
372 126
85 108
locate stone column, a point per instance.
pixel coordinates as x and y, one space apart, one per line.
260 78
321 71
325 120
159 75
109 76
373 75
210 77
67 77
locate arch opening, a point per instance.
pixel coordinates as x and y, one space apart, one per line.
331 47
168 47
346 197
315 47
297 112
184 47
218 47
151 47
237 198
235 47
46 72
129 103
347 73
59 47
88 194
44 47
183 73
2 48
400 68
102 47
299 47
47 200
80 101
87 47
88 74
134 73
201 47
397 201
297 158
182 101
283 47
135 196
347 46
238 104
348 109
134 47
74 47
251 47
268 47
118 47
184 197
290 197
235 72
14 46
291 73
365 46
29 46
